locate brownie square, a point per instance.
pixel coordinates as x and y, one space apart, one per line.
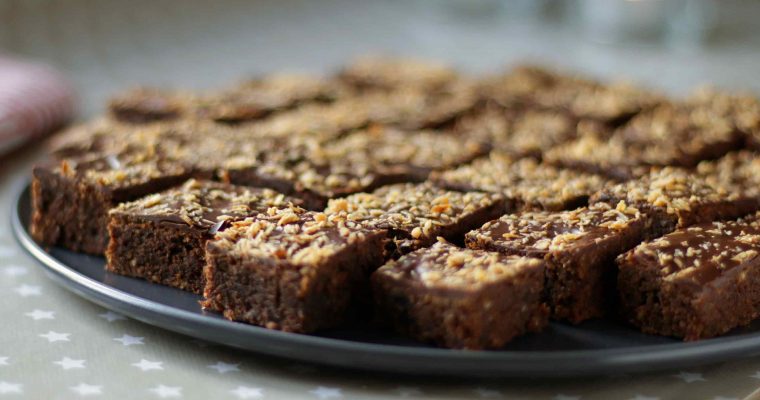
579 248
515 89
249 101
524 134
416 214
669 135
291 270
162 237
461 298
525 183
384 73
736 171
609 104
71 198
694 283
740 109
93 136
676 198
359 162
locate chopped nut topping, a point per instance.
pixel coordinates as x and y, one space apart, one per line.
552 231
445 265
204 204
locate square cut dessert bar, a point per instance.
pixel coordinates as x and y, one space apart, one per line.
416 214
384 73
737 171
71 197
525 183
678 134
162 237
291 269
609 104
524 134
694 283
579 248
742 109
251 100
359 162
461 298
534 88
676 198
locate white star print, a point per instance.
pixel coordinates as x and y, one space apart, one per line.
487 393
56 336
406 391
3 360
85 390
40 314
640 397
167 391
566 397
689 377
28 290
244 392
111 316
68 363
8 387
326 392
15 270
223 368
146 365
127 340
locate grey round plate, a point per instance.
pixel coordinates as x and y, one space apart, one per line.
592 348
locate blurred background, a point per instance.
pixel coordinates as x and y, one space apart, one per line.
105 46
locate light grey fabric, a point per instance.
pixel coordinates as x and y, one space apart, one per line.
53 345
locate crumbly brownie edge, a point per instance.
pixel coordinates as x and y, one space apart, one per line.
165 253
460 319
659 307
265 292
68 214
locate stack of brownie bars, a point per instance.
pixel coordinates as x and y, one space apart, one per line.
463 211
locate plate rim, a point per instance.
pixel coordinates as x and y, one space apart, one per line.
486 364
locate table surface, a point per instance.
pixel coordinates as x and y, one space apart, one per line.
54 345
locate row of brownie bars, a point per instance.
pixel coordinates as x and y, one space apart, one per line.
312 138
274 264
318 141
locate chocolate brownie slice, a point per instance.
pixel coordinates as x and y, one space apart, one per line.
387 73
736 171
162 237
461 298
248 101
669 135
291 270
741 109
524 134
416 214
579 248
71 198
694 283
676 198
525 183
359 162
609 104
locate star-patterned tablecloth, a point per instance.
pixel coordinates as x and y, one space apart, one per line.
55 345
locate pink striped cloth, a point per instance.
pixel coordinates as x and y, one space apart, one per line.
34 100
